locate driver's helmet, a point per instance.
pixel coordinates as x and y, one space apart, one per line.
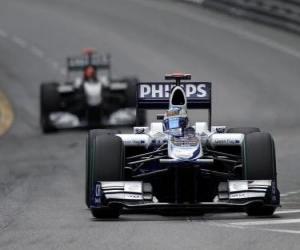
175 121
90 74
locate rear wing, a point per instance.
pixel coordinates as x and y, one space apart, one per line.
79 63
155 95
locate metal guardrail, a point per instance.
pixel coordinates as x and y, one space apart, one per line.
281 13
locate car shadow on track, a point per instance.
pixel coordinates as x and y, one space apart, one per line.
204 218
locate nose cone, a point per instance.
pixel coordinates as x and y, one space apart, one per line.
178 98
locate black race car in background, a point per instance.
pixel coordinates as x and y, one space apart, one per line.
92 100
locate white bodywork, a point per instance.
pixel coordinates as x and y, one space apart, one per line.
93 91
184 142
245 189
63 120
189 148
122 117
185 148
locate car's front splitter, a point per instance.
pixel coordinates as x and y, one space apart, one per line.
234 196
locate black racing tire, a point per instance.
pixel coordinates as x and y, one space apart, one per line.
105 213
106 163
141 117
49 102
259 163
260 210
92 134
243 130
258 154
237 130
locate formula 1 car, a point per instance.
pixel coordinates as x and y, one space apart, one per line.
176 167
92 100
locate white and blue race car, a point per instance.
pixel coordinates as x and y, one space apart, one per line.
174 166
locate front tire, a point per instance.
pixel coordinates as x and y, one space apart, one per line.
91 137
260 211
105 213
105 162
259 163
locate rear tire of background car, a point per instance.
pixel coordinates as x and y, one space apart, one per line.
259 163
92 135
243 130
131 101
49 102
105 163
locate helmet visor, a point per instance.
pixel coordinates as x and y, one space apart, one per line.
175 122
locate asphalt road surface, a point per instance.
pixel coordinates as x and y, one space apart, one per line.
255 74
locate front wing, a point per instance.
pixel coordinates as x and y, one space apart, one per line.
234 196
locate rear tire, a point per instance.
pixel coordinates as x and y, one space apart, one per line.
105 162
49 102
259 163
238 130
243 130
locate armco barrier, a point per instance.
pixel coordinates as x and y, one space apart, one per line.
281 13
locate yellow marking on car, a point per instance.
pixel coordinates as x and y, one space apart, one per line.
6 114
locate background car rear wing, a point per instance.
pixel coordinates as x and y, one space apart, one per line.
79 63
155 95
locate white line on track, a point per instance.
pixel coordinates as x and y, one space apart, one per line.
19 41
266 222
290 193
289 203
283 231
37 52
63 72
243 227
55 65
34 50
3 34
52 63
290 211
